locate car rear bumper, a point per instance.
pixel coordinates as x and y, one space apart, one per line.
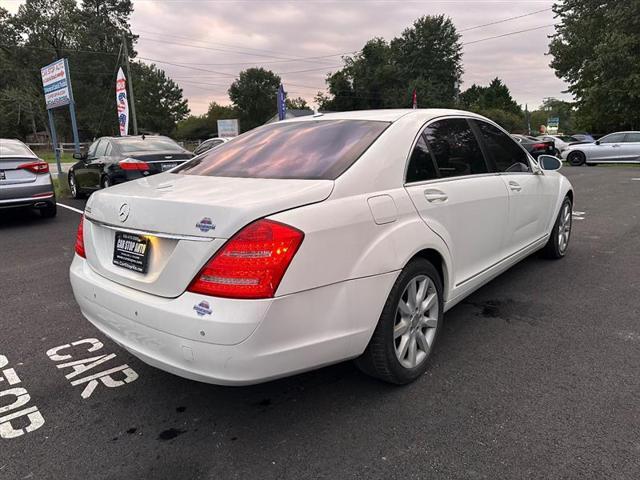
239 342
27 194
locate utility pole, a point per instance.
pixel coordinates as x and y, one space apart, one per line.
130 82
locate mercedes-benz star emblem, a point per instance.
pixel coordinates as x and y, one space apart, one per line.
123 213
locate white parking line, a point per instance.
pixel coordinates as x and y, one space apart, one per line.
73 209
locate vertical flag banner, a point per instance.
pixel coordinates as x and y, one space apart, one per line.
415 98
282 104
122 104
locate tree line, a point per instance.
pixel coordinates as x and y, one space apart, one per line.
596 50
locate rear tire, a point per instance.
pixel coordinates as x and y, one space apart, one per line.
558 243
576 158
74 188
49 211
403 340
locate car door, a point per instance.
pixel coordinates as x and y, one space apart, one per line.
96 164
631 147
81 170
609 148
531 196
458 198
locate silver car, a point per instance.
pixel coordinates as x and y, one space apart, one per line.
619 147
25 180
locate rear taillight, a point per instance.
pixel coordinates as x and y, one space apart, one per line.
35 167
80 239
133 164
540 146
251 264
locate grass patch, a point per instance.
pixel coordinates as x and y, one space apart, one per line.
61 188
49 157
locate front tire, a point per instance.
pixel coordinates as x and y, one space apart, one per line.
408 327
558 243
106 183
73 187
576 158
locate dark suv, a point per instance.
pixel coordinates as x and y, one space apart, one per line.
112 160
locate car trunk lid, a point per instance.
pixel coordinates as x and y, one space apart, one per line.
10 173
187 218
161 161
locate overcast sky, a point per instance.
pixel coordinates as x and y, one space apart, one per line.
215 39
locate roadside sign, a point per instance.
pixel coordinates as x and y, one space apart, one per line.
553 124
228 128
56 83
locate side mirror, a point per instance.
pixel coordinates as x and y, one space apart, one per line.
597 142
549 162
80 156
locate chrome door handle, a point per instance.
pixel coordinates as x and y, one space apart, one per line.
515 186
433 195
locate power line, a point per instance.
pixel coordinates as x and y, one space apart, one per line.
505 20
508 34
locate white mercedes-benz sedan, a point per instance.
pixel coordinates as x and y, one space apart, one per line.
315 240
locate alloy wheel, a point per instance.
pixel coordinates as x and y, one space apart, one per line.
72 185
564 228
416 321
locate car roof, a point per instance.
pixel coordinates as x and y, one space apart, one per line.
384 115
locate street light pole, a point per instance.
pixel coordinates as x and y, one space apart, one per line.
130 82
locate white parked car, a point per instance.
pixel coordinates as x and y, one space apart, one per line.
560 142
315 240
619 147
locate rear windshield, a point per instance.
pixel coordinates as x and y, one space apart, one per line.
149 144
14 149
321 149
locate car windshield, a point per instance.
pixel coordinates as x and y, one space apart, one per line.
147 144
319 149
14 149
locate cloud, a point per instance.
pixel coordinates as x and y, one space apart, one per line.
269 32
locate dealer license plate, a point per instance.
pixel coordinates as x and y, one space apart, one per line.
131 251
168 166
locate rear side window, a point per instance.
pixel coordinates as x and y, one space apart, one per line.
505 153
455 148
632 138
613 138
14 149
421 165
321 149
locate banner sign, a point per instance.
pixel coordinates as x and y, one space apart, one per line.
553 124
56 83
122 104
228 128
282 103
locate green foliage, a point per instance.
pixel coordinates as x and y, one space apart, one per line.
494 96
297 103
552 107
89 34
158 99
254 95
596 49
495 102
427 57
204 126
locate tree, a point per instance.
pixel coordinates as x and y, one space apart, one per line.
297 103
596 50
254 95
552 107
159 100
427 57
494 101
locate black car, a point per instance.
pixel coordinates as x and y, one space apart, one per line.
535 146
112 160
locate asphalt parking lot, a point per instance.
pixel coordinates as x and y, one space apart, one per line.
536 375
